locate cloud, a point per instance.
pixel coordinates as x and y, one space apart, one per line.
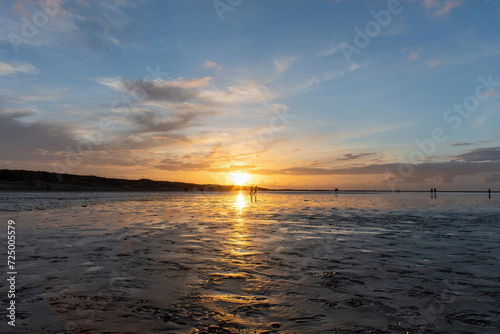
434 63
208 64
351 156
17 113
491 178
21 139
333 49
42 94
413 56
394 29
8 69
489 94
158 90
462 144
441 7
176 165
490 154
445 172
91 25
249 92
325 76
282 63
181 91
150 122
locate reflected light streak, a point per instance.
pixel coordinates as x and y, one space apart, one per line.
240 202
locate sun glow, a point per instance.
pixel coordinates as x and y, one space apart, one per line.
239 178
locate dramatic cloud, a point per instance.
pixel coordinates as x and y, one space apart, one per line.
7 69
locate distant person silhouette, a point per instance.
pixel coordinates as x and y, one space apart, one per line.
253 194
489 193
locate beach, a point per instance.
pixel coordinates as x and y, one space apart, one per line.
223 263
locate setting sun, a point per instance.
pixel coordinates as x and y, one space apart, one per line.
239 178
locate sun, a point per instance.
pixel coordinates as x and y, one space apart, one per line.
239 178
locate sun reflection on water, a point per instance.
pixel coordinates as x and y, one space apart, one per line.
241 202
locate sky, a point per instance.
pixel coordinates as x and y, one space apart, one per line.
295 94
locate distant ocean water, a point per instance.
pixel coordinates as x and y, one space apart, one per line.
292 262
460 202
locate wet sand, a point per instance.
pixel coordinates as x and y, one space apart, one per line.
286 264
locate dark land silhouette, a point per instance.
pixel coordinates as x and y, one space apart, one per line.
24 180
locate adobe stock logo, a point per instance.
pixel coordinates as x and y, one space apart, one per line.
222 6
31 27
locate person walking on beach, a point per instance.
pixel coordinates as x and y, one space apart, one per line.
489 193
253 194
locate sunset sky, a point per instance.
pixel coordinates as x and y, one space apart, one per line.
302 94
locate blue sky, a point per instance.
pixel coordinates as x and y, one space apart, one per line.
304 94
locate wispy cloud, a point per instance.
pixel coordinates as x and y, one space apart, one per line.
249 92
462 144
325 76
209 64
95 26
179 90
489 94
282 63
351 156
413 56
13 68
441 7
333 49
434 63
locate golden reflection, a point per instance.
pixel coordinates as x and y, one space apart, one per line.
241 202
